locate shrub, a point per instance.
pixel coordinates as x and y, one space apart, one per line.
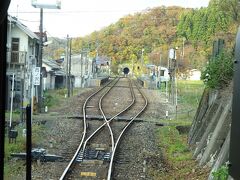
48 99
221 173
219 70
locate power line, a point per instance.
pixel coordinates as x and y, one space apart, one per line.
105 11
27 20
53 37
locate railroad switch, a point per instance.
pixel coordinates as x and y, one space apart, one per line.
93 154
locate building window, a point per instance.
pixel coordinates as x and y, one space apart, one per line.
162 73
15 50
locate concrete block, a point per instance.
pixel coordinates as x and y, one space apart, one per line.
219 134
210 128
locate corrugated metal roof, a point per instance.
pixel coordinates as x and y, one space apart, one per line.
23 27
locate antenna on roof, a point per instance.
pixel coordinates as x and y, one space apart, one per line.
17 11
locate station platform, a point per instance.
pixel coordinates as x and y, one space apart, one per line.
96 82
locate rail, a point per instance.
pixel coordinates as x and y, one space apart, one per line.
121 134
114 145
84 131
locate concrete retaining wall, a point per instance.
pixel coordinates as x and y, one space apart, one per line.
209 135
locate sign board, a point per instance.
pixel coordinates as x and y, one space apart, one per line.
47 4
36 76
172 54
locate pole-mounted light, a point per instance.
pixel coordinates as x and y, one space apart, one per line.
43 4
47 4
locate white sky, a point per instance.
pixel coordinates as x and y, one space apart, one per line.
79 18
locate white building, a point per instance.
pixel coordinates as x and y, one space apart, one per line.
22 55
163 74
81 69
54 75
194 75
102 66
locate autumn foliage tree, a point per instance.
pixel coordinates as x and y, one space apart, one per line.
158 29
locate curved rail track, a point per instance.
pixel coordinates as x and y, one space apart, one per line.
104 132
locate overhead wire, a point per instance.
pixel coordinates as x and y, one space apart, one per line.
28 20
103 11
54 38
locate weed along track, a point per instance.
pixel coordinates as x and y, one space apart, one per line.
116 105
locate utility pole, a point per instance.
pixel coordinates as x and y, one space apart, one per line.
40 102
172 71
173 81
11 109
95 68
132 67
22 90
66 57
36 4
176 94
81 69
160 62
142 58
70 65
67 67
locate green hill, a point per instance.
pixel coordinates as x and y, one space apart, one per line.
159 29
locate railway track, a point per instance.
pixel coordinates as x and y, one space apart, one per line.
96 152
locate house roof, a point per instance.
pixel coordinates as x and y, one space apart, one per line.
23 27
59 72
51 63
102 60
55 68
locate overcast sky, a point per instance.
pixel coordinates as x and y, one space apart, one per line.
79 18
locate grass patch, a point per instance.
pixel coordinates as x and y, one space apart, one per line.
53 97
189 94
172 144
20 145
178 156
16 115
221 173
180 122
12 168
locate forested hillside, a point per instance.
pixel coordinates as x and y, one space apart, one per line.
153 30
55 49
159 29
